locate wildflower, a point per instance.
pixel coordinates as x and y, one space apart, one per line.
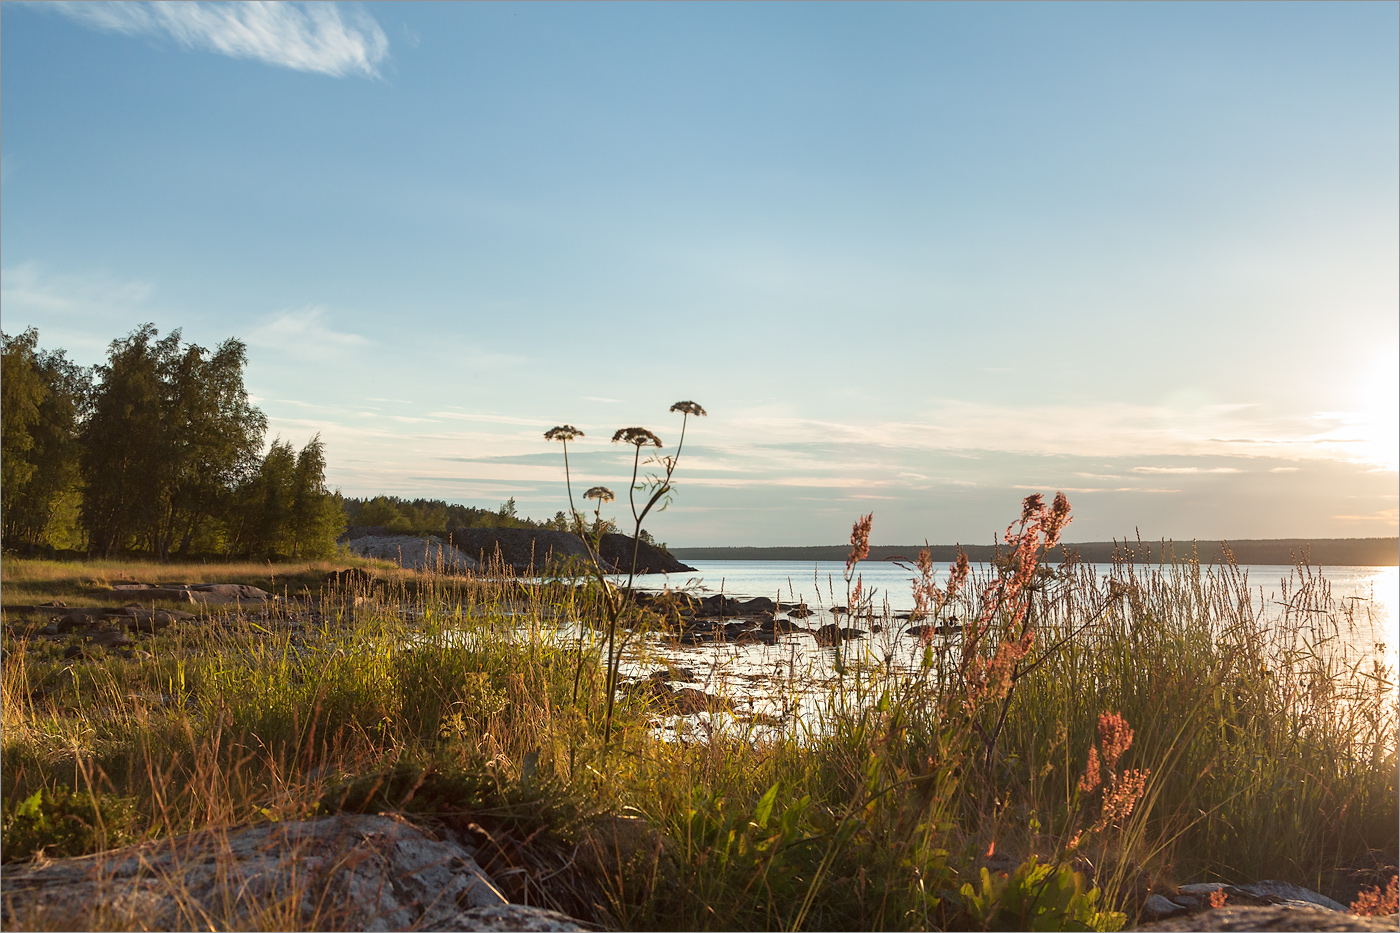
688 408
638 437
1093 773
1377 902
1120 799
1121 791
565 432
1115 736
601 493
1032 506
860 542
1056 520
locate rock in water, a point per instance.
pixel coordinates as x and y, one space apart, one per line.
829 636
346 872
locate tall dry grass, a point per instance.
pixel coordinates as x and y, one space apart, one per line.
452 698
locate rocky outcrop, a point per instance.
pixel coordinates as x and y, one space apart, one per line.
344 872
617 550
532 550
520 550
411 551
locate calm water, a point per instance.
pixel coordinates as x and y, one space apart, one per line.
1371 593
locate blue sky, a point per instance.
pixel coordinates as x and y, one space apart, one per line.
914 259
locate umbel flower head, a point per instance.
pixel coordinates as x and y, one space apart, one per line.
638 437
688 408
565 432
601 493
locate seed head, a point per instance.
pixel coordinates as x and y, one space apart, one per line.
601 493
1056 520
565 432
638 437
688 408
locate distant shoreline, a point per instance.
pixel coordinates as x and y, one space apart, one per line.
1324 552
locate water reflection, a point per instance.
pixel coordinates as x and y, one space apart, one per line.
1346 613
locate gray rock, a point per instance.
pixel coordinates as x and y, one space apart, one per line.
1271 918
1281 892
1202 890
1158 906
512 917
412 551
348 872
229 593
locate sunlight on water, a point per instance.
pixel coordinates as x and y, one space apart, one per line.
1374 590
788 679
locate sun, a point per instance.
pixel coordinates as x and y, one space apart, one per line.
1380 409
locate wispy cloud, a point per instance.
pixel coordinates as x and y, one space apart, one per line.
1105 429
305 333
1191 469
27 289
325 38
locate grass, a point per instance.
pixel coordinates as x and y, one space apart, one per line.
453 701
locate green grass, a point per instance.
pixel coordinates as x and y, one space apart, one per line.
453 701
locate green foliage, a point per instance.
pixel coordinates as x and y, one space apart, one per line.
63 823
170 435
23 390
44 396
1037 897
436 517
284 510
160 453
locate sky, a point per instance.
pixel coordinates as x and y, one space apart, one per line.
919 260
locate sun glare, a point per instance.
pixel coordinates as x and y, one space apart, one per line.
1380 407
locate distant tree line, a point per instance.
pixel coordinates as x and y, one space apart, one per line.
158 451
436 517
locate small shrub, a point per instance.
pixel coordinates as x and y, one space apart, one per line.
64 823
1037 897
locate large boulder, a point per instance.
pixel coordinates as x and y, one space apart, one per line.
344 872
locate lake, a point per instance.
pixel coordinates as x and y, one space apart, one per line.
1365 598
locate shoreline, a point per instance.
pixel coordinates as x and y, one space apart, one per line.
1321 552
